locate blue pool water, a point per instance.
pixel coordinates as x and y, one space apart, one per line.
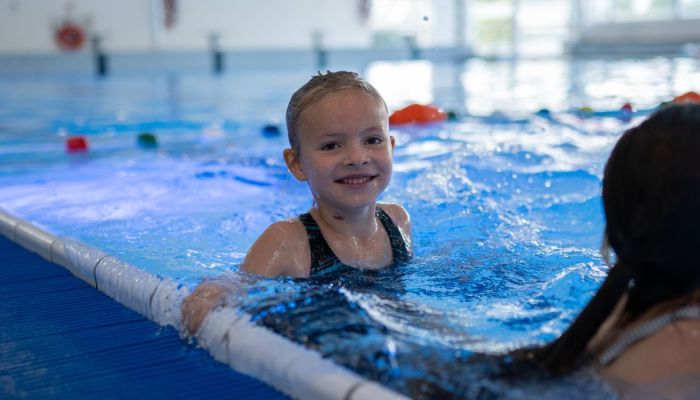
506 209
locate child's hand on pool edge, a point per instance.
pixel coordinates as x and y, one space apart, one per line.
201 301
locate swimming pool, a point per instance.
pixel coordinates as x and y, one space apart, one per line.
505 207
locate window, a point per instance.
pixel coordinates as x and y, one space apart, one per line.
604 11
491 23
635 10
393 22
689 9
523 27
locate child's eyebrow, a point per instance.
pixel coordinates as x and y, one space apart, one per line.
331 135
373 129
337 135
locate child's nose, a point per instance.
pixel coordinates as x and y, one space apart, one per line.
356 155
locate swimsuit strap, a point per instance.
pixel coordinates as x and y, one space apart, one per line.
324 260
646 330
399 248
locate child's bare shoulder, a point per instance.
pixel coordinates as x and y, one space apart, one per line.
282 249
286 229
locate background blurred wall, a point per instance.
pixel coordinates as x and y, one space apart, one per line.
433 29
29 26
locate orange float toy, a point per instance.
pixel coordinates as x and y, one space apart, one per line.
689 97
417 114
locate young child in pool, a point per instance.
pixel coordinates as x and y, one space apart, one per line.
641 330
340 145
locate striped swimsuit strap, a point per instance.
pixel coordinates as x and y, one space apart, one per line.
324 260
645 330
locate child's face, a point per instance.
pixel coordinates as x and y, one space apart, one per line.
345 151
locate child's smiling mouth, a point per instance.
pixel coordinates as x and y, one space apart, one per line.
354 180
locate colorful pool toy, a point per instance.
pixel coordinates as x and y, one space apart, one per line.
270 130
626 112
147 140
688 97
544 113
417 114
75 144
585 111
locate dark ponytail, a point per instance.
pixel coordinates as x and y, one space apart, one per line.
564 354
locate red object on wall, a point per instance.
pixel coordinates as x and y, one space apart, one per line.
417 114
689 97
76 144
70 37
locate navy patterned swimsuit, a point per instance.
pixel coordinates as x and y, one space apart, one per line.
324 262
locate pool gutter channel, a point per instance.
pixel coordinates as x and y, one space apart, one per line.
228 334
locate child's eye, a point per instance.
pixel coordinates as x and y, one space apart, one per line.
375 140
330 146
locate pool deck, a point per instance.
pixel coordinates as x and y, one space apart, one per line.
61 338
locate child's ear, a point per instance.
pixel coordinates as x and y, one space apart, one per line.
392 140
291 157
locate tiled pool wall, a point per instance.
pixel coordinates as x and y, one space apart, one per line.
227 333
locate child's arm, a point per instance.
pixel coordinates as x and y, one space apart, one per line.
201 301
283 249
401 218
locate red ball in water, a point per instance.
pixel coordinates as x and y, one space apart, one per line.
417 114
689 97
76 144
626 112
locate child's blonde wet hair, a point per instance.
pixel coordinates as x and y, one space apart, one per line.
315 89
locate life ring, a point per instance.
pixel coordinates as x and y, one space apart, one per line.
70 37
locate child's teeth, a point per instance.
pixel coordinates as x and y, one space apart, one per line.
356 181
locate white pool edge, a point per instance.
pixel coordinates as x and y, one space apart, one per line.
227 334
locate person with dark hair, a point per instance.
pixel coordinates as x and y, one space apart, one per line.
642 327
